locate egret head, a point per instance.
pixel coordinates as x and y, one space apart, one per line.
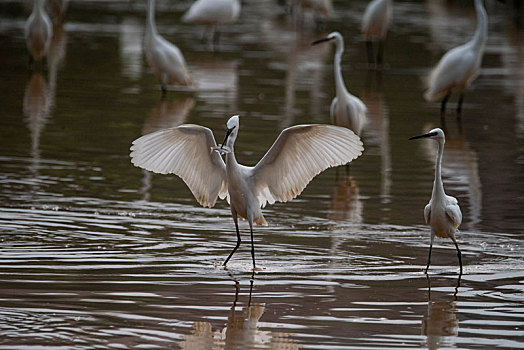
332 36
232 131
437 134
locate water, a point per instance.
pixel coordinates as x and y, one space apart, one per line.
96 253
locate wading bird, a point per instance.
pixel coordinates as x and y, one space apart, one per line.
166 59
300 153
375 24
38 31
346 110
442 213
213 13
459 66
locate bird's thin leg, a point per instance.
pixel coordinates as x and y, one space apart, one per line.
443 106
239 240
252 244
369 46
216 38
458 253
429 255
380 53
347 170
459 105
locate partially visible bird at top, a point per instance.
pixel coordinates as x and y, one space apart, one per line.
459 66
442 213
299 153
346 110
319 8
165 58
38 32
375 25
213 13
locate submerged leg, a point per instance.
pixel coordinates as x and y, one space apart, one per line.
429 255
458 253
252 244
216 38
371 61
443 106
234 214
459 105
380 54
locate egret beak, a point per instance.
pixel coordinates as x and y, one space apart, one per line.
321 41
429 134
228 132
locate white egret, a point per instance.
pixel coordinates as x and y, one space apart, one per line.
299 154
346 110
375 24
213 13
38 31
459 66
166 59
442 212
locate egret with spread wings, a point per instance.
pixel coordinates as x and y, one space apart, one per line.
442 212
300 153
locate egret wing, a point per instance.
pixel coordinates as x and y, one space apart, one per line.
184 151
453 211
300 153
427 212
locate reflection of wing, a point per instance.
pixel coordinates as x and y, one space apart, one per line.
427 212
184 151
453 211
300 153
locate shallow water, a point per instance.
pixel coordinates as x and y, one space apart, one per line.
96 253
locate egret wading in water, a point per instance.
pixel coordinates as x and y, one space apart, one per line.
375 25
346 110
38 32
213 13
442 213
299 153
166 59
459 66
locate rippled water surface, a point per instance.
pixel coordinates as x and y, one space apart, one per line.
96 253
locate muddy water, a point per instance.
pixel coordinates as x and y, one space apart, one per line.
96 253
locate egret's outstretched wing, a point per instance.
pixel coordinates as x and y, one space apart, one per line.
453 211
186 152
299 154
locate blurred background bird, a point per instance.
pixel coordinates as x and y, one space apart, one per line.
375 25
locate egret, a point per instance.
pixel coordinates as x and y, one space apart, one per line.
212 13
166 59
346 110
299 153
459 66
38 31
442 212
375 24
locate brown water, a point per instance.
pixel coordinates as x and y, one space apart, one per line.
96 253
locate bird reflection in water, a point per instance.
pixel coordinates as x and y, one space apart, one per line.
167 114
241 331
346 204
440 323
36 106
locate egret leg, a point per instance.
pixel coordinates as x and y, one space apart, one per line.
459 106
443 106
458 253
369 47
239 240
429 255
216 38
252 244
380 53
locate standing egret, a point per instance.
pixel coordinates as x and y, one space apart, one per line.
442 212
166 59
375 24
300 153
213 13
459 66
38 31
346 110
